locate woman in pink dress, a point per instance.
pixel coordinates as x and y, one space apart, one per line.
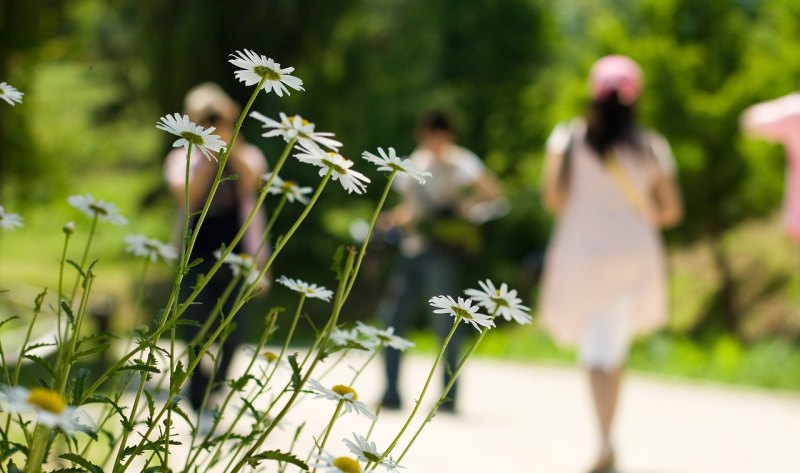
779 120
611 185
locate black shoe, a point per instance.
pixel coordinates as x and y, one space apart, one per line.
391 401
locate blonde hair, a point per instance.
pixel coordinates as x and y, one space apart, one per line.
208 99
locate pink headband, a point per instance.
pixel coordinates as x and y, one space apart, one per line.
616 73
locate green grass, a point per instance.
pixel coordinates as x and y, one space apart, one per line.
769 364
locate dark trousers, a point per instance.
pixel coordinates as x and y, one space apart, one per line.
432 273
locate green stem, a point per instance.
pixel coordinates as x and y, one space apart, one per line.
192 458
374 219
328 430
337 307
447 388
59 335
271 223
66 361
131 420
37 450
422 394
85 256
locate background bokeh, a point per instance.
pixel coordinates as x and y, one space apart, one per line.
97 74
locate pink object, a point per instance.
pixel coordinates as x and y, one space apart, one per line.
616 73
604 251
779 120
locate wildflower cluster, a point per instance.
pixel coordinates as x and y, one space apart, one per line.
126 417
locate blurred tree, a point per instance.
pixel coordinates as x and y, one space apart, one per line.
704 62
24 26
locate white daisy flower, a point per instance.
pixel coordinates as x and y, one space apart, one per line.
340 392
363 449
50 408
340 337
503 301
390 162
296 127
255 67
10 94
241 265
292 190
327 463
309 290
9 221
462 308
140 245
352 181
105 211
190 133
384 337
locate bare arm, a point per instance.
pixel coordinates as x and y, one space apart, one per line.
668 202
553 195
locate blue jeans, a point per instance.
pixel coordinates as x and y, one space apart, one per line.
434 272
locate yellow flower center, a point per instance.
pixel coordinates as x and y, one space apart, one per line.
47 399
302 120
347 464
270 356
343 390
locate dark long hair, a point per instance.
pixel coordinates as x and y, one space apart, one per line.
611 122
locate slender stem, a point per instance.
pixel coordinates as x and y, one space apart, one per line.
366 363
282 242
223 160
374 219
447 388
328 430
154 337
36 311
289 335
422 394
66 361
337 307
192 458
131 420
271 223
59 336
85 256
37 450
262 196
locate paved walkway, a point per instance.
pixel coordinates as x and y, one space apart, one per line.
521 418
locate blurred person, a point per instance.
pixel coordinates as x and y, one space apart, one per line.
437 224
208 105
779 120
611 185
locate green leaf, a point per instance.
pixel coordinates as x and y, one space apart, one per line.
194 263
80 383
338 257
91 351
177 378
295 371
106 400
9 319
79 460
77 268
43 363
68 310
276 455
12 467
240 383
